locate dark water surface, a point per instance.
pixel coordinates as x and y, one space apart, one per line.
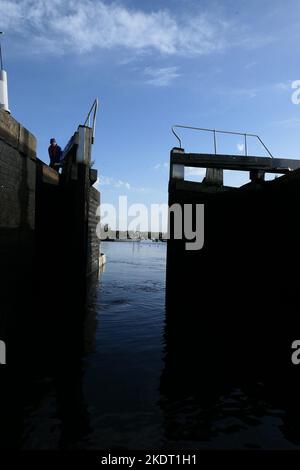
138 384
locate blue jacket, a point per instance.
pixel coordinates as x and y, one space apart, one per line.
55 157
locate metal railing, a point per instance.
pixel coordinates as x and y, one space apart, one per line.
92 116
215 132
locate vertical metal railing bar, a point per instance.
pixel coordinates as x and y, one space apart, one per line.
92 111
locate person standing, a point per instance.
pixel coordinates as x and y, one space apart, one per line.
55 154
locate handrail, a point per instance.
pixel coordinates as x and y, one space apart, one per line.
214 131
92 114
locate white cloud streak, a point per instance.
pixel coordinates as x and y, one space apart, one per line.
250 93
188 171
161 166
63 26
292 123
194 172
161 77
283 86
116 184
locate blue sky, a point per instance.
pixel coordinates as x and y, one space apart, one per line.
217 64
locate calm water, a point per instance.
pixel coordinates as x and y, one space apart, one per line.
131 389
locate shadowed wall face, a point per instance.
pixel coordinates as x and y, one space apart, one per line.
66 224
93 240
48 249
48 242
17 215
239 291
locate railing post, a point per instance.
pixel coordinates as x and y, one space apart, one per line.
215 142
176 170
246 148
88 119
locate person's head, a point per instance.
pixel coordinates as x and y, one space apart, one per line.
52 142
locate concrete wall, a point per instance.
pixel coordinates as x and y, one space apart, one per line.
93 240
48 242
17 215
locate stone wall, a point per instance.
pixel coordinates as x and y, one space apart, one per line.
48 241
17 216
93 240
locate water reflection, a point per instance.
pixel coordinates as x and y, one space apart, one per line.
218 392
43 403
126 373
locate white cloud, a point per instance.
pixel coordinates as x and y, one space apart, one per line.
250 93
191 172
161 166
161 76
240 147
116 184
120 184
250 65
293 122
283 86
104 181
81 26
247 93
